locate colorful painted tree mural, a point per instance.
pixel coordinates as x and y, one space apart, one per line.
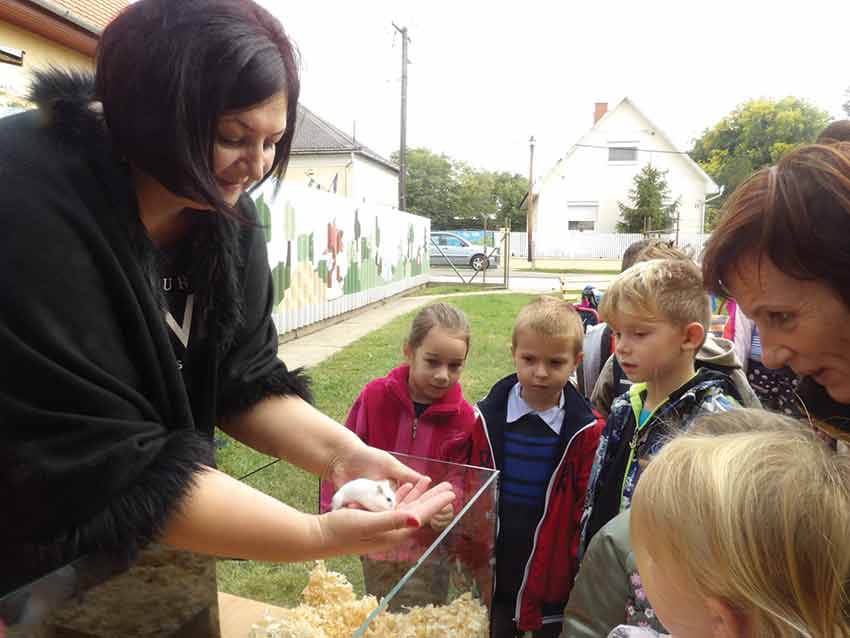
347 259
282 272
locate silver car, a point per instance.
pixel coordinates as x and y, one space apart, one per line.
458 251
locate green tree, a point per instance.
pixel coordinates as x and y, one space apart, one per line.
508 191
475 196
648 210
455 195
432 187
756 134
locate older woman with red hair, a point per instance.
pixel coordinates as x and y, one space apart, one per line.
782 249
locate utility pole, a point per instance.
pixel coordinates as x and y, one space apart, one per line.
530 202
402 151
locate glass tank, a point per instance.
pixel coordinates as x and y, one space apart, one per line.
164 592
439 583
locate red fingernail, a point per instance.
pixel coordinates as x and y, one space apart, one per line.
412 521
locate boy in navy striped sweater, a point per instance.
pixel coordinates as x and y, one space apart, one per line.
543 436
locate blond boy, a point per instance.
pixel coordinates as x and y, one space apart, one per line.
660 314
603 384
543 435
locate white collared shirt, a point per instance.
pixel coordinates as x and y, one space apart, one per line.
518 408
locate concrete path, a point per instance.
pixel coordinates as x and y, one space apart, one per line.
317 346
535 282
325 342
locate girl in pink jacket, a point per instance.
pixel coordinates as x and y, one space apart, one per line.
419 409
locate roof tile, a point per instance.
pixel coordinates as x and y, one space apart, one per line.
98 12
315 135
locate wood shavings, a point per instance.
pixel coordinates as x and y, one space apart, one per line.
331 610
464 617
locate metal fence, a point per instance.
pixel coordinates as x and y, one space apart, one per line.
587 245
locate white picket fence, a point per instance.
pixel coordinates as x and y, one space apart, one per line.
588 245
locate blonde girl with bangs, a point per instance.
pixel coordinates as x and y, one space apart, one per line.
745 534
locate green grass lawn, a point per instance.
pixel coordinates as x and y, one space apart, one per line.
573 271
448 289
451 289
336 383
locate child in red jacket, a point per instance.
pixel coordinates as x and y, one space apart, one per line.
419 409
544 435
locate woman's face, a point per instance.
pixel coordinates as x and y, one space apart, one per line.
803 324
245 145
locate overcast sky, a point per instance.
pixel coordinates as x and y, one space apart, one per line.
485 76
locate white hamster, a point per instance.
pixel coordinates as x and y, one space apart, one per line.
375 496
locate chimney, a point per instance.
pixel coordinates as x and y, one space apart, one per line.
600 109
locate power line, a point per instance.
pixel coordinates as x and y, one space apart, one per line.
645 150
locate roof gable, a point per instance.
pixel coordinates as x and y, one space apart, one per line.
665 146
314 135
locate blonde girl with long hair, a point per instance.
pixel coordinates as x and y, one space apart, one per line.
746 534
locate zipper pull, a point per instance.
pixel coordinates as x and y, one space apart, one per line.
415 424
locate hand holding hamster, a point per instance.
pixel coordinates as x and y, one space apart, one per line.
375 496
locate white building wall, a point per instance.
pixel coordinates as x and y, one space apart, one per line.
318 172
374 183
586 177
357 178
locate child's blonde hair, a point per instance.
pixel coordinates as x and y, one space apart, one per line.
666 289
438 315
759 520
661 250
550 317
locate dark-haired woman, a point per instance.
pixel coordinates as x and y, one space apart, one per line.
781 249
135 302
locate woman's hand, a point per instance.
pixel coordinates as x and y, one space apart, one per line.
354 531
362 461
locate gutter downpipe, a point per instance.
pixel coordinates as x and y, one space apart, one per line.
705 207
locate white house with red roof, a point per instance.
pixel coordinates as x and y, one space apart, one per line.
582 191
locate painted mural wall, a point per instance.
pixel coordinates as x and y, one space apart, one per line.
329 255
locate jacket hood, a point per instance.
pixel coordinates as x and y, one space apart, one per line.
704 380
60 86
718 352
67 106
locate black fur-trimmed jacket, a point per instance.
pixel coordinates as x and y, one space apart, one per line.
99 435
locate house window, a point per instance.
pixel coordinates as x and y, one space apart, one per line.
622 154
582 216
8 55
